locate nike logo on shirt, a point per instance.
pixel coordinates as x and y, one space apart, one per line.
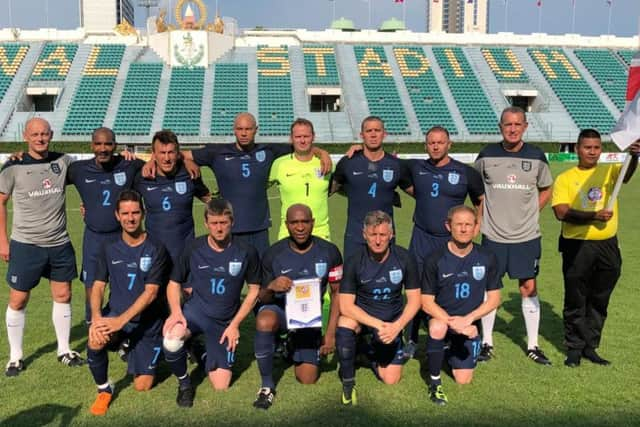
89 181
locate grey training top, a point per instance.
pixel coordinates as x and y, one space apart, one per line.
511 184
37 188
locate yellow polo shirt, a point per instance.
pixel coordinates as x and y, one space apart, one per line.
588 191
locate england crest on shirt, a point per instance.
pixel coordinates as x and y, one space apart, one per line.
526 165
120 178
321 269
478 272
145 263
453 178
387 175
395 276
181 187
235 267
260 156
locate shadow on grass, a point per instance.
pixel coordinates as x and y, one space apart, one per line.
551 325
42 415
78 332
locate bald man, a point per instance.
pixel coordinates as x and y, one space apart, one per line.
40 245
300 256
242 173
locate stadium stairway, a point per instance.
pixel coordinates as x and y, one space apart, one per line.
130 55
412 118
493 88
552 117
16 88
586 75
298 83
446 93
607 69
71 84
161 100
355 102
207 100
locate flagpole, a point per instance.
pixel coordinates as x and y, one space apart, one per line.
46 12
506 8
404 13
609 22
333 10
370 13
540 18
573 17
10 15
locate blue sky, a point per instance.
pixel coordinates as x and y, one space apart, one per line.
592 16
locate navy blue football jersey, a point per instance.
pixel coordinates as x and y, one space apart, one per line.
217 277
369 186
128 269
459 284
99 187
169 203
242 178
323 260
437 189
378 286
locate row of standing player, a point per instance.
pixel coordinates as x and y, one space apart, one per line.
245 155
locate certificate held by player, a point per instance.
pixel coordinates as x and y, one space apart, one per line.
303 307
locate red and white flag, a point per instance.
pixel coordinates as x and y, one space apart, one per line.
539 3
627 130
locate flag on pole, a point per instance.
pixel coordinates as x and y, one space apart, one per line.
627 130
609 2
399 1
539 3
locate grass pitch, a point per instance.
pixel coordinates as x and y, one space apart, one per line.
509 390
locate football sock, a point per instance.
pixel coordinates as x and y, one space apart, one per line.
15 320
105 388
435 354
531 313
264 347
487 327
177 361
184 381
414 327
346 346
98 365
61 317
87 308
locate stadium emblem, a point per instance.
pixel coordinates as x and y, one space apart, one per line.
454 178
181 187
260 156
526 165
478 272
235 267
387 175
46 183
202 12
321 269
55 168
188 54
395 276
145 263
120 178
594 194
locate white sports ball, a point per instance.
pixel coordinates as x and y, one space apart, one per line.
173 340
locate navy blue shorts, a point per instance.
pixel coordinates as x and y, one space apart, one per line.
199 323
29 263
381 353
91 244
423 244
145 343
520 260
257 239
463 351
305 342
